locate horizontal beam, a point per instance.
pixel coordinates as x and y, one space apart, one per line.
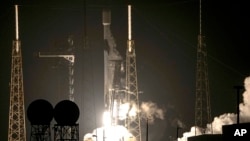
68 57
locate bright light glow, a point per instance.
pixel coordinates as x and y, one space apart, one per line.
133 111
88 137
112 133
115 109
106 118
123 111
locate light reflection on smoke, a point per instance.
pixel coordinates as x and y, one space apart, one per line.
110 133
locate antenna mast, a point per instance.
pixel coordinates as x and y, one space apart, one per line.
17 128
16 18
202 102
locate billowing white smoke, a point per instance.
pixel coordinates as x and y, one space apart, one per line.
245 106
226 119
218 122
125 109
108 132
150 111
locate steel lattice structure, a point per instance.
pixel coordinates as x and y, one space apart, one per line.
17 128
133 123
40 133
202 103
66 132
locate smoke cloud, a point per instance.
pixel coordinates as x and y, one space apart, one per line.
226 119
109 133
150 111
245 106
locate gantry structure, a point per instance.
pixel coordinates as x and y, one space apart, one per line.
70 57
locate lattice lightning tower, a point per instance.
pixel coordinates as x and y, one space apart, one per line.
202 103
133 123
17 128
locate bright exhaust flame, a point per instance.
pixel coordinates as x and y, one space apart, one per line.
133 111
111 132
123 111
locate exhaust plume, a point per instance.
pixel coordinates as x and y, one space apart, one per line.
109 133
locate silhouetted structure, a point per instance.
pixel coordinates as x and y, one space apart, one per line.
238 88
40 114
202 102
66 114
233 132
206 137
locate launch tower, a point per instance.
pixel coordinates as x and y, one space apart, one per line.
17 128
202 102
133 122
113 69
120 86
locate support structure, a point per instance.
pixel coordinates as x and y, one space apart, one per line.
133 123
40 133
238 89
202 103
66 132
120 84
17 128
69 57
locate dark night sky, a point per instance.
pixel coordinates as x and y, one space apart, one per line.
165 35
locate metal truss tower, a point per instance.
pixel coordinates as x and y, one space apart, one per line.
133 123
202 102
17 128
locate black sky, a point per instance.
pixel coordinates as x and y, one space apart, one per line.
165 35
